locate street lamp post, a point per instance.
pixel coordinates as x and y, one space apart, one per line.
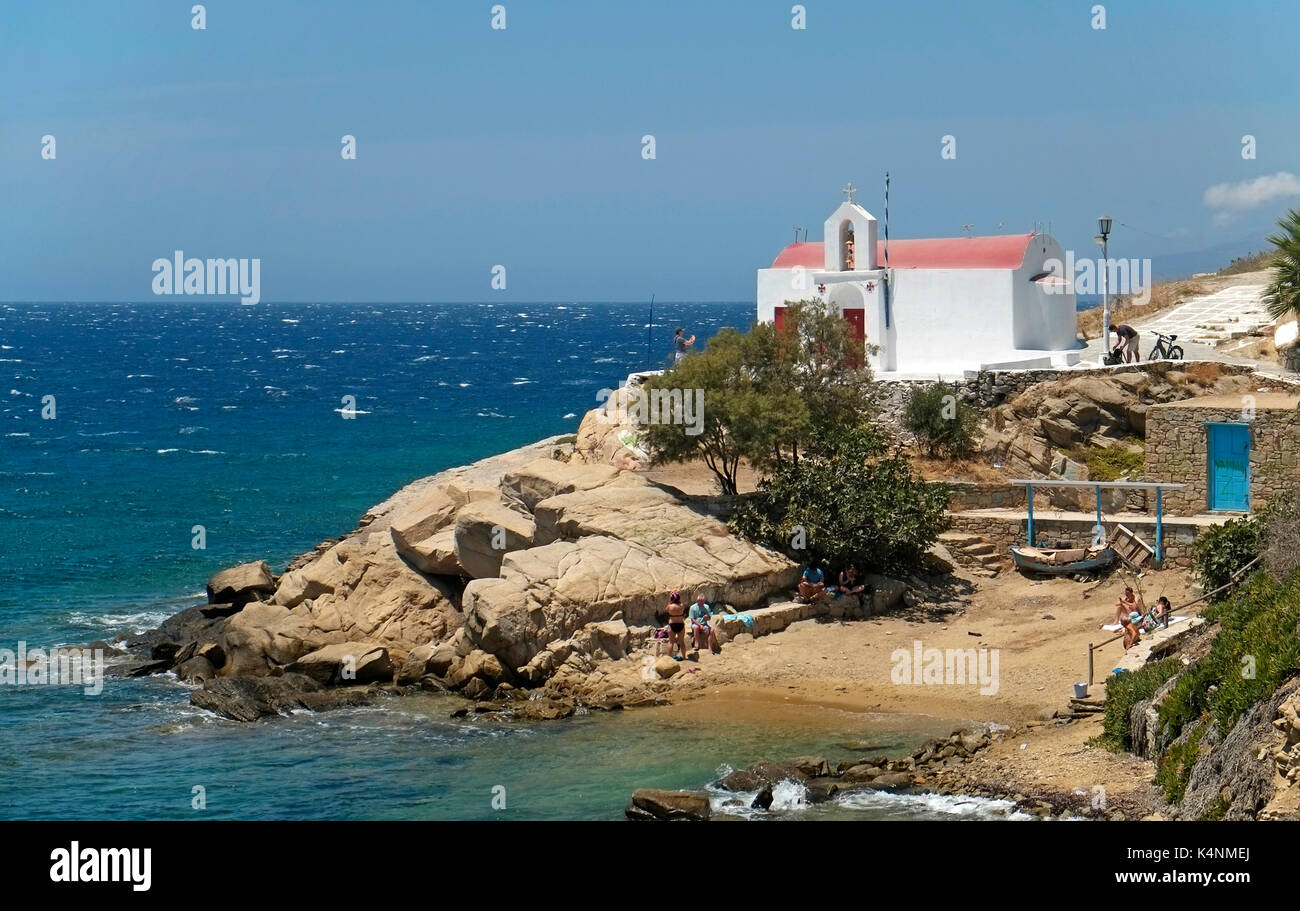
1103 225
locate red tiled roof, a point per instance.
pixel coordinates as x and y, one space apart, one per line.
1004 251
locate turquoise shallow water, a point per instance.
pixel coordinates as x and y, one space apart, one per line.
169 416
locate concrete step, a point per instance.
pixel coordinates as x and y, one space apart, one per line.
958 539
980 550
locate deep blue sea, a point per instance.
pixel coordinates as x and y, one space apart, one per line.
124 426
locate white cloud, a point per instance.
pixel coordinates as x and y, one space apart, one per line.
1250 194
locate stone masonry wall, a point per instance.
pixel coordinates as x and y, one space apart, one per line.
1177 451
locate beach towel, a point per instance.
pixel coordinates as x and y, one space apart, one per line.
745 619
1115 627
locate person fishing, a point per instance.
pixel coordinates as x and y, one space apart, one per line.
680 344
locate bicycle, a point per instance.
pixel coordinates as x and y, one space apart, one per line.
1165 349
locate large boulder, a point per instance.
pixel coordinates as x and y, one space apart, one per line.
485 532
653 803
608 435
550 592
545 478
886 593
632 510
241 584
346 662
251 698
427 659
476 665
424 530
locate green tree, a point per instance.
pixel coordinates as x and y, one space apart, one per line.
766 393
941 422
848 500
1282 297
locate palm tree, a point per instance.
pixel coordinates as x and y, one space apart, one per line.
1282 297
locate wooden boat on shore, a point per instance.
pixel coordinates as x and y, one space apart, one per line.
1062 562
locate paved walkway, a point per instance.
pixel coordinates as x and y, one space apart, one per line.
1210 318
1201 324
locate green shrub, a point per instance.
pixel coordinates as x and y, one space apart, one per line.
1257 648
941 422
1221 551
1176 766
1114 462
1123 691
846 501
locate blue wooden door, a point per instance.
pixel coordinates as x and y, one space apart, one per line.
1229 450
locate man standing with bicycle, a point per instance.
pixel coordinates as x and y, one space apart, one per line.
1126 341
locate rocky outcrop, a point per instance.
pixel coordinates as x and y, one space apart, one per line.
1036 429
1254 771
569 564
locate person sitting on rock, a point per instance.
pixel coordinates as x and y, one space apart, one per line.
851 586
700 628
676 627
812 587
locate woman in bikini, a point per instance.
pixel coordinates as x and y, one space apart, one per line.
676 626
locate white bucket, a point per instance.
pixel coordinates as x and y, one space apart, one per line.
1081 691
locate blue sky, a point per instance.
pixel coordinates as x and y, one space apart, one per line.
522 147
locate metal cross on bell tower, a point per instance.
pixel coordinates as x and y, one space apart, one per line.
849 190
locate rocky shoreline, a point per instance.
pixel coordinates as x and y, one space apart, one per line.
942 766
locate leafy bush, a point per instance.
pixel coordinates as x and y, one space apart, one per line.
1114 462
854 503
1176 765
1123 691
941 422
1221 551
1257 648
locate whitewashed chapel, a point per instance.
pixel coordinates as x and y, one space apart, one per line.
934 306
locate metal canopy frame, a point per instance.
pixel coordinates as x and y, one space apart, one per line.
1158 486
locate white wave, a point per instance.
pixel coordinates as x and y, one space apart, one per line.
948 806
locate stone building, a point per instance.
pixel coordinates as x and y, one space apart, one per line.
1234 452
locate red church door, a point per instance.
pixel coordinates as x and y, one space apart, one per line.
778 318
856 317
